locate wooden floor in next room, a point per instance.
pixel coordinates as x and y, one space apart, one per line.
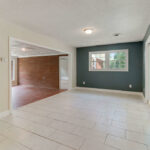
25 94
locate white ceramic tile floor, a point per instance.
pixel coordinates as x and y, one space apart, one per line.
11 145
79 120
124 144
70 140
95 144
138 137
2 138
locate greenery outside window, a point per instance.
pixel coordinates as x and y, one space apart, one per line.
115 60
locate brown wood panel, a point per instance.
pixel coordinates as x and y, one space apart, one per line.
40 71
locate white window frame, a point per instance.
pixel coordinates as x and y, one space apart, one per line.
107 53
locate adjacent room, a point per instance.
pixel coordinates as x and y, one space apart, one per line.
74 74
36 73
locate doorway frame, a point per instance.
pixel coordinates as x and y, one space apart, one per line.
147 71
59 70
70 58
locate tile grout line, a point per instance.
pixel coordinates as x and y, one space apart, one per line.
110 145
129 140
44 136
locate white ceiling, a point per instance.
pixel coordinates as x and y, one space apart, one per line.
64 19
30 50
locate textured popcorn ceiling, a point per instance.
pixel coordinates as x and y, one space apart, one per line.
64 19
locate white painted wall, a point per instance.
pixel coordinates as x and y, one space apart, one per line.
147 71
7 30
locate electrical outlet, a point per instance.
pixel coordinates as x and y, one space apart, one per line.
3 60
130 86
83 82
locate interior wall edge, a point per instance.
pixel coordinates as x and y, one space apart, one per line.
8 30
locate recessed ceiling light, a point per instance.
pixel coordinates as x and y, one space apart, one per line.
117 34
23 49
87 30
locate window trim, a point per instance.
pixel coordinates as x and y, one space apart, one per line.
107 53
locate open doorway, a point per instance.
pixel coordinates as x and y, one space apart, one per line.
35 72
63 72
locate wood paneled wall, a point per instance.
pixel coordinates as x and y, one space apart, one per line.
39 71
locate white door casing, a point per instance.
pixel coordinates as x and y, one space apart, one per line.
147 71
63 72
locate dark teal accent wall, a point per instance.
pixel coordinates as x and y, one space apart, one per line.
111 80
144 41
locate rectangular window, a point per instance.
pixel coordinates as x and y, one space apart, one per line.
98 61
116 60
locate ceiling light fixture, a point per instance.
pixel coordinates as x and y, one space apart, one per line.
87 30
23 49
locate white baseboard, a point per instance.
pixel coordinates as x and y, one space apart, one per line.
4 114
111 91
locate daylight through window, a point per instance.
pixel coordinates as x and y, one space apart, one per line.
116 60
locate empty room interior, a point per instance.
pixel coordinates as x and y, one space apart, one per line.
36 73
75 75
